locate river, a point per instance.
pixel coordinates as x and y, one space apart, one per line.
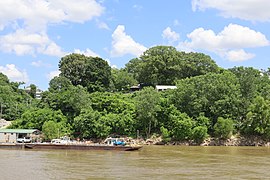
151 162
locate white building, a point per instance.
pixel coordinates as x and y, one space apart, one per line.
164 87
11 135
38 94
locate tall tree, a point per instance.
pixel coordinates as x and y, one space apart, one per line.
133 67
122 80
159 65
195 64
249 79
253 83
58 84
165 65
147 106
33 90
93 73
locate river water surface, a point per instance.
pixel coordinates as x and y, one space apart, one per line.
151 162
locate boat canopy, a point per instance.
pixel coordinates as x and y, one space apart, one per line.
21 131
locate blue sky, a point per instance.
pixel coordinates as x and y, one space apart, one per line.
35 34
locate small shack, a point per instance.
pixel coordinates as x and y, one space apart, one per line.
12 135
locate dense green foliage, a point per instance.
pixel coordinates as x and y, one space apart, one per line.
215 95
13 101
223 128
93 73
122 80
146 104
91 100
258 118
164 65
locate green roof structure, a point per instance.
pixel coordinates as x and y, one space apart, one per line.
27 131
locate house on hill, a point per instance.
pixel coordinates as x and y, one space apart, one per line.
164 87
37 94
157 87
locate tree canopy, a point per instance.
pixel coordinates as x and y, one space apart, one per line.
92 100
93 73
164 65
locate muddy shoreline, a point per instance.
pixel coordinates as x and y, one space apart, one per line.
233 141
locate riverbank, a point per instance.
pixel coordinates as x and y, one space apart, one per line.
236 141
233 141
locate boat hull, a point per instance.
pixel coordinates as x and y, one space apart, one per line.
81 147
11 146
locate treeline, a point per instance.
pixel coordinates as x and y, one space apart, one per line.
90 99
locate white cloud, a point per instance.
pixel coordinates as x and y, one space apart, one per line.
31 18
183 46
102 25
87 52
124 44
228 42
52 74
22 42
253 10
39 13
51 49
40 64
14 74
238 55
77 11
170 35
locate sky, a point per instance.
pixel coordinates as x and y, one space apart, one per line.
35 34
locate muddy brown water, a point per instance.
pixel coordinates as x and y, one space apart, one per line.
151 162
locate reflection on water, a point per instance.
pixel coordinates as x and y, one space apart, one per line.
151 162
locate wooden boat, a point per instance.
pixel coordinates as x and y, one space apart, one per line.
11 146
81 146
117 144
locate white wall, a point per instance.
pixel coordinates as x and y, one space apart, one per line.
7 137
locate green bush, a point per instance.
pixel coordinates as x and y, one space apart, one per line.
165 134
223 128
199 133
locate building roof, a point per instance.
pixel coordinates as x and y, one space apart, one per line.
165 87
18 130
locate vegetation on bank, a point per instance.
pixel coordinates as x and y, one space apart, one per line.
90 99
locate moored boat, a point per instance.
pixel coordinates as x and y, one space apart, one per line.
11 146
117 144
82 146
